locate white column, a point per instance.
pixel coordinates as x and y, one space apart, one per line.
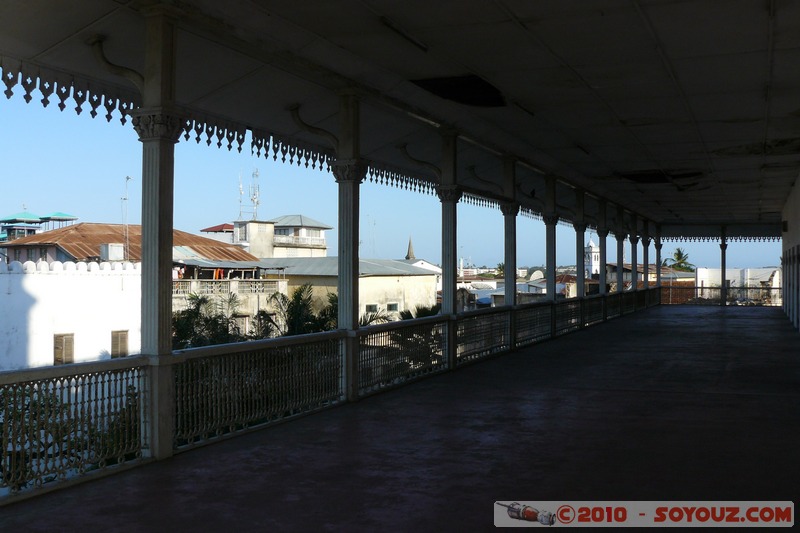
510 210
580 258
723 287
349 174
602 234
158 127
658 257
550 218
634 261
550 222
620 236
579 225
449 194
349 170
646 253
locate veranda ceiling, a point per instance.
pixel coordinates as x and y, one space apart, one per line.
686 113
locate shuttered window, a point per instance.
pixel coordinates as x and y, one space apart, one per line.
63 348
119 344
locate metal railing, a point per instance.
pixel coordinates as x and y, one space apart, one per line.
298 241
61 422
393 354
228 388
747 296
482 333
533 323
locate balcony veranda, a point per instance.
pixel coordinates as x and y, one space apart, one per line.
671 403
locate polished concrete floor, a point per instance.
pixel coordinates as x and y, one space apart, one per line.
674 403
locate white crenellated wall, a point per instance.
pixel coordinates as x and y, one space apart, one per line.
89 300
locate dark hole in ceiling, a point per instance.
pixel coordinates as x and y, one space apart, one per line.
652 177
468 90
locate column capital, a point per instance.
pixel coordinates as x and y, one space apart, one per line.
646 241
634 238
448 193
509 209
151 124
620 235
550 219
602 233
349 170
658 245
723 246
579 227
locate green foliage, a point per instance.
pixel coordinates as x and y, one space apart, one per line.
206 322
679 261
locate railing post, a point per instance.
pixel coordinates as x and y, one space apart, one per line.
350 347
553 323
451 341
604 303
159 415
582 312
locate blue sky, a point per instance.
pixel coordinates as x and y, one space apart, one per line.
59 161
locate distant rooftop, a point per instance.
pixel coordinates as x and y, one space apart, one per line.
82 241
296 221
23 217
329 266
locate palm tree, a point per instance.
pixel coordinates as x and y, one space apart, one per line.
295 313
679 261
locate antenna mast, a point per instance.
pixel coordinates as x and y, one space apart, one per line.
124 200
254 194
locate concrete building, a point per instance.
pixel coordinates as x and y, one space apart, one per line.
284 236
384 285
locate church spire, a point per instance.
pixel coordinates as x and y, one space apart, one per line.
410 254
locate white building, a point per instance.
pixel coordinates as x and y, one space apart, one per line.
284 236
58 313
384 285
747 283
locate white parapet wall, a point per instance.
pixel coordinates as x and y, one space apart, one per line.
39 301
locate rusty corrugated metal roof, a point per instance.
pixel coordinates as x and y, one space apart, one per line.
82 241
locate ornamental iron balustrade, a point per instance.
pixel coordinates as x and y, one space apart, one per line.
481 334
593 310
224 389
533 323
568 316
641 299
613 305
60 423
628 302
395 353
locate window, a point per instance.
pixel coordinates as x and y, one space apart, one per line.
315 233
282 231
31 254
43 254
119 344
17 254
372 308
63 349
392 308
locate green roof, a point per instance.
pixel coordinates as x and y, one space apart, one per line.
24 217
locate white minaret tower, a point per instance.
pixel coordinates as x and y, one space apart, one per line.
591 255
